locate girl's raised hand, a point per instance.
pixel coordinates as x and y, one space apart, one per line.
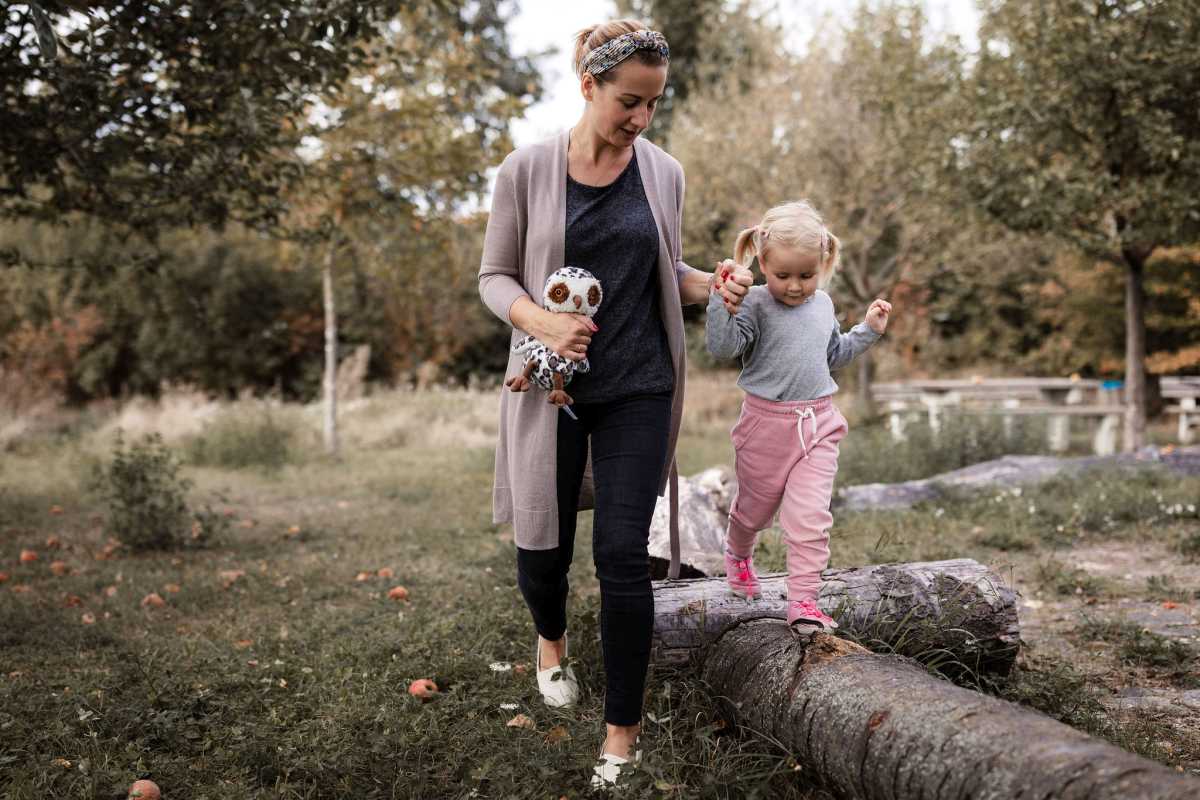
877 315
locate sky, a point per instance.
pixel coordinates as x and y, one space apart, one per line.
542 24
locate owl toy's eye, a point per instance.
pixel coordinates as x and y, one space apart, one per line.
559 292
594 296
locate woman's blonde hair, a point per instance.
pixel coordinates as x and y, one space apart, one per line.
593 36
796 225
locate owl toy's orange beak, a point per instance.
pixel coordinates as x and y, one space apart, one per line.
578 301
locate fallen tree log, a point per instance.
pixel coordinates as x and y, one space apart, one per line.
1008 471
874 726
953 615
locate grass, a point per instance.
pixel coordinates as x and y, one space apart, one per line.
289 680
1140 647
235 441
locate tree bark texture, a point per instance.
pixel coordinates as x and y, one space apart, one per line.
331 356
1135 352
866 376
875 726
954 615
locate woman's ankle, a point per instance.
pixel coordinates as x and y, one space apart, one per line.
621 740
551 651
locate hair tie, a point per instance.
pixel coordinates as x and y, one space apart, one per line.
614 51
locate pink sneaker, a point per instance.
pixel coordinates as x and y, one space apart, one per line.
740 575
805 615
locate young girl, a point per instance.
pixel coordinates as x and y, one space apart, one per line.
786 439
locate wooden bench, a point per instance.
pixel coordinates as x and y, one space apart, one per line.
1185 389
1058 399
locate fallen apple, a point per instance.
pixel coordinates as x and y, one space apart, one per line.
398 593
144 790
422 688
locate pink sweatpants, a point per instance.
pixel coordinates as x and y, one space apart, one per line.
785 456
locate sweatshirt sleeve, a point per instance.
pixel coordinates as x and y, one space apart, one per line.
729 335
681 268
499 276
845 347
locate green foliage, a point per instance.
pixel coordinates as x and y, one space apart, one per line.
152 116
1082 123
146 499
706 38
237 442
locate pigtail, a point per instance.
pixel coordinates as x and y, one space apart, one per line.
832 258
745 250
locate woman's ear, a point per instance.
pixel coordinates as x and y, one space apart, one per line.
587 86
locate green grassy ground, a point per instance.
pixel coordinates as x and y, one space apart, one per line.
272 671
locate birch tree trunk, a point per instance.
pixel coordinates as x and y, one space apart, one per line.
882 728
329 384
1135 352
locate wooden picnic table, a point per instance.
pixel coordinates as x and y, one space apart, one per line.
1058 399
1185 389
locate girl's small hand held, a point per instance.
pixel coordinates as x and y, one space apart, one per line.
736 284
877 315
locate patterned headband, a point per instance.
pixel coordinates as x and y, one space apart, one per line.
614 51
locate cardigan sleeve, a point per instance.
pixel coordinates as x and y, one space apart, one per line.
499 269
681 269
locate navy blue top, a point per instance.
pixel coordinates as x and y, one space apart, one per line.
611 233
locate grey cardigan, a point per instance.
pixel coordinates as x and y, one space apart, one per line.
524 243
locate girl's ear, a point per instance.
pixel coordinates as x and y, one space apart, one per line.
587 86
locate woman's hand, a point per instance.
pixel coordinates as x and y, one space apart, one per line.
732 281
566 334
877 315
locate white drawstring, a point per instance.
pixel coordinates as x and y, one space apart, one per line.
812 417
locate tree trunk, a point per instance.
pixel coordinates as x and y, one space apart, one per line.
954 615
331 356
1135 351
872 726
866 375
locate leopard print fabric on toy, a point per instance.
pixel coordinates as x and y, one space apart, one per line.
569 290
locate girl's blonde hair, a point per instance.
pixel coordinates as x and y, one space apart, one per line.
593 36
796 225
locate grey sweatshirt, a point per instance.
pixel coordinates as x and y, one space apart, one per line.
787 351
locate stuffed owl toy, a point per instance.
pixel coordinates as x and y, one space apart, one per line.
569 290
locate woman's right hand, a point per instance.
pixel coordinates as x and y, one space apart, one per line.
566 334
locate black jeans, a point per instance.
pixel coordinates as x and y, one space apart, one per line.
629 450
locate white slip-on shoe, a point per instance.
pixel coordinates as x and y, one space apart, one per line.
607 772
557 684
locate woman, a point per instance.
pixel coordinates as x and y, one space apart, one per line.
598 197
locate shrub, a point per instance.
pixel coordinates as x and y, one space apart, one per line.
237 442
147 499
